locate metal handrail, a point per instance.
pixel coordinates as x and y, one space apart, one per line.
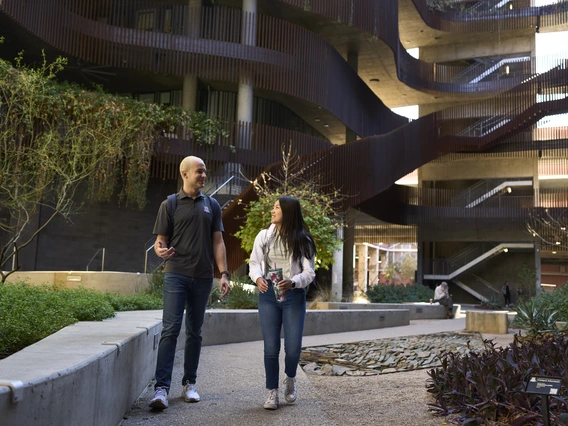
102 260
222 185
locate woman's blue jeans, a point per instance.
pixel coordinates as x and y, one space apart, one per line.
275 316
181 292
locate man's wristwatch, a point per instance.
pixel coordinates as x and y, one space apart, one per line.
227 273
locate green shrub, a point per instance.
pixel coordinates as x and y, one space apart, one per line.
135 302
493 303
390 293
241 298
555 301
30 313
535 317
488 387
156 282
85 304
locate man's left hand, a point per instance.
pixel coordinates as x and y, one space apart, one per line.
224 286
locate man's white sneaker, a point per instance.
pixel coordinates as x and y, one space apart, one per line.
290 390
272 400
189 393
160 399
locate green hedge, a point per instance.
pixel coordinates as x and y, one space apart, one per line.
390 293
30 313
556 301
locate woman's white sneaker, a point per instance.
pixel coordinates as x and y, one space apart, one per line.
290 392
272 400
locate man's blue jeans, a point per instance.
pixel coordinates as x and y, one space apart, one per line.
181 292
290 315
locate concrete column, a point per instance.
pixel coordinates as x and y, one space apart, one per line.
362 268
536 183
419 257
353 61
348 242
189 93
373 266
245 100
194 11
337 269
537 267
193 30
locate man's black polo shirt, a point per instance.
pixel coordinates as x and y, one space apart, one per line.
195 221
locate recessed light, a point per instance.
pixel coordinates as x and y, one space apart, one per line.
374 80
326 125
316 119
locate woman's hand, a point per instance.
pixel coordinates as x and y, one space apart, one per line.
261 284
285 285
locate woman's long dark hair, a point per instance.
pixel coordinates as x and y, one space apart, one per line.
294 231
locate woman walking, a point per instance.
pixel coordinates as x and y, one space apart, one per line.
282 266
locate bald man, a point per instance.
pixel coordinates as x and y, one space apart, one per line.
195 244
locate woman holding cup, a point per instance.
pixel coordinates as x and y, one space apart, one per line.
282 266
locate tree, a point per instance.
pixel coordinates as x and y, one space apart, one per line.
392 272
408 266
317 208
56 136
527 281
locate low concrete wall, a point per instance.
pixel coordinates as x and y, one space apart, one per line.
233 326
73 378
113 282
491 322
418 311
90 373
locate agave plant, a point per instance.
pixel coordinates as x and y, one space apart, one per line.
535 319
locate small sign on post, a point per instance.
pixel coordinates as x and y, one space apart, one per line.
544 386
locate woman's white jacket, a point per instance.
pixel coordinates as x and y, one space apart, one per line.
302 272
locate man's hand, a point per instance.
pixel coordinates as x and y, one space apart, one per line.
164 252
224 286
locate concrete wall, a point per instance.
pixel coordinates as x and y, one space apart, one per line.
489 168
90 373
477 48
113 282
72 378
232 326
122 231
417 311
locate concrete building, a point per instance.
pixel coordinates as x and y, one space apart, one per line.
485 154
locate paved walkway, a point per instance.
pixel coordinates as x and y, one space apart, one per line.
231 384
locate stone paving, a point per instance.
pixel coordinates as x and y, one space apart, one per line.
381 356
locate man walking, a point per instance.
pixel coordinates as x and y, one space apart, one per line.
190 250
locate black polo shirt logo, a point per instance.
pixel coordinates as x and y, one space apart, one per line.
206 209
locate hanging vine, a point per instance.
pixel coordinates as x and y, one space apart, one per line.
56 136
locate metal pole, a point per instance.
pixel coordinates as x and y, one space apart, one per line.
545 413
103 261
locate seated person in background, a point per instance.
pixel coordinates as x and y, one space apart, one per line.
443 297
